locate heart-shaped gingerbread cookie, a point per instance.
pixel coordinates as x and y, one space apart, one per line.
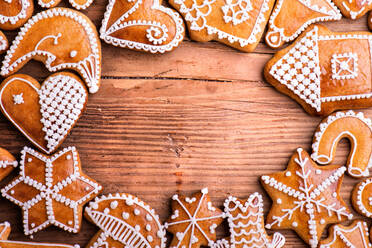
142 25
44 114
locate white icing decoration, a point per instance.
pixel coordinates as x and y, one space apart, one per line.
190 201
332 14
5 164
49 191
114 204
344 66
25 4
192 221
136 212
195 14
175 215
236 11
354 14
88 67
119 230
326 159
299 69
73 53
62 100
251 233
18 99
308 198
288 174
359 201
348 236
156 32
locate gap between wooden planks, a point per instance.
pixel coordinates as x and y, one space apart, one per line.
200 116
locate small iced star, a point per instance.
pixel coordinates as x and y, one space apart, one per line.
18 99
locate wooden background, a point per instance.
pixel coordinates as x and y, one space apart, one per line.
200 116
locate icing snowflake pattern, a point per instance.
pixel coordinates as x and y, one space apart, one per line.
310 197
193 212
48 193
344 66
62 100
18 99
236 11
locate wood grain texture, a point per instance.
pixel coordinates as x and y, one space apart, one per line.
200 116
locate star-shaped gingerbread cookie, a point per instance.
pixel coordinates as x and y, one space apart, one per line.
306 197
51 190
194 220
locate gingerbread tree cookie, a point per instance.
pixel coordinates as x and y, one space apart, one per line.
324 71
354 235
194 220
306 197
51 190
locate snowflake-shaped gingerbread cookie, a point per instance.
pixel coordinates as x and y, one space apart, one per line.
51 190
306 197
194 220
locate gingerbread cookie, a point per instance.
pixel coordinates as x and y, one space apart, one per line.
55 47
51 190
14 13
3 43
236 23
125 221
306 197
7 163
77 4
324 71
4 243
44 114
361 197
345 124
354 9
354 235
136 25
246 222
286 24
194 220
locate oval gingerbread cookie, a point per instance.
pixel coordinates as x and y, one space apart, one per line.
362 197
14 13
55 46
345 124
125 221
324 71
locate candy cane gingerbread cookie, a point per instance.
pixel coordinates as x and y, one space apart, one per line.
324 71
236 23
77 47
45 114
14 13
345 124
194 220
306 197
125 221
135 25
5 243
51 190
286 24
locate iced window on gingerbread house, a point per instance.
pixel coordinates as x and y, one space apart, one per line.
344 66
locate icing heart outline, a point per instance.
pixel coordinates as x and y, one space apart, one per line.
58 112
155 27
